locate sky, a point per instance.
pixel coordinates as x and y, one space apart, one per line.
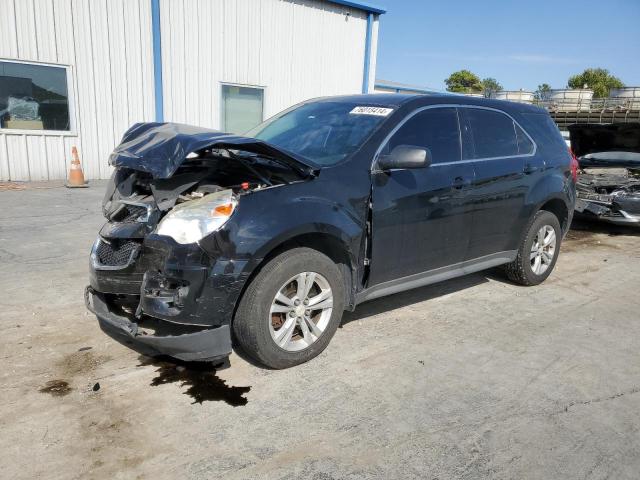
520 43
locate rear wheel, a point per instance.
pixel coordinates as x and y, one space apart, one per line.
291 309
538 250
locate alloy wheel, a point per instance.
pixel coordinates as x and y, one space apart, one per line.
300 311
543 249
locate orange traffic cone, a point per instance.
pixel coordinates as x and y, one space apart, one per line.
76 177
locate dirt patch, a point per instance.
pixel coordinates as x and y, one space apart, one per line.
578 240
201 378
56 388
584 235
4 186
112 436
605 228
80 362
11 186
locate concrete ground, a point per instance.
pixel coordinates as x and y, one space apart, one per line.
472 378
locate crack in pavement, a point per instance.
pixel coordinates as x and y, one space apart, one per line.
600 399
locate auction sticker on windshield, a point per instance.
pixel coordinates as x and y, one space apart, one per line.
378 111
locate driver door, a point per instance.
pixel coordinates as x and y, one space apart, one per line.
421 218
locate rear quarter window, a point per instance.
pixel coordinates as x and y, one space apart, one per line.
551 145
543 129
525 145
493 133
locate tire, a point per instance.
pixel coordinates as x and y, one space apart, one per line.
257 328
521 269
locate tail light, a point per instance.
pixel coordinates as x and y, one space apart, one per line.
574 166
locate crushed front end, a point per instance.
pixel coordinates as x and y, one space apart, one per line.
611 195
608 186
152 293
153 285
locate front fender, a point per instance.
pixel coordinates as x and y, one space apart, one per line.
265 220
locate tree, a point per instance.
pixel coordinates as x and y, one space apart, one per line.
597 79
542 92
464 81
490 86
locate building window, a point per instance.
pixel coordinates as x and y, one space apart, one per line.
33 97
241 108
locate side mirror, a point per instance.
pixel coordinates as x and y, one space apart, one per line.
405 156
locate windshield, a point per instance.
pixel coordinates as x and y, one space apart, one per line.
324 132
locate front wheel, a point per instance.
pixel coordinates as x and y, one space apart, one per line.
538 250
291 309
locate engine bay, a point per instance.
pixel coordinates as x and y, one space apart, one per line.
136 196
609 193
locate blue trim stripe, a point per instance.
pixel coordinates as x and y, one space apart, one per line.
157 60
367 7
367 54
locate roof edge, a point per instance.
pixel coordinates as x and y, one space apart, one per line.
405 88
365 6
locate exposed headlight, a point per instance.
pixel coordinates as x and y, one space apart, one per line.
190 221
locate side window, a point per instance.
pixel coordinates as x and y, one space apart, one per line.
525 146
436 129
493 133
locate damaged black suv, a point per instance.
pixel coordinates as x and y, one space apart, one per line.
265 239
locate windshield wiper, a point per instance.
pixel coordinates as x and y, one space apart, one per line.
280 162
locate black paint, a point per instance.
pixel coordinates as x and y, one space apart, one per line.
381 226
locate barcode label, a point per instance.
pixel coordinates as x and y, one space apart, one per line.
378 111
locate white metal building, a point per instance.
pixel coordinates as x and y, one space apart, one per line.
80 72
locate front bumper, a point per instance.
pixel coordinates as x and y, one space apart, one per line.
205 344
185 296
606 212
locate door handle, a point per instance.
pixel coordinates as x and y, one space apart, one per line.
460 182
529 169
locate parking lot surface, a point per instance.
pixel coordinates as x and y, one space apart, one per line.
472 378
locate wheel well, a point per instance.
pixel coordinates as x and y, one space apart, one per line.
559 209
324 243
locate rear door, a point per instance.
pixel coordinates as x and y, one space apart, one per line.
421 219
502 154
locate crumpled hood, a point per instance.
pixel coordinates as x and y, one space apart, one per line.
590 141
160 148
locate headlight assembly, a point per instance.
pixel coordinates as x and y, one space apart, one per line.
191 221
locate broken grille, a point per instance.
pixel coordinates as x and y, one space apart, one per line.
129 213
116 254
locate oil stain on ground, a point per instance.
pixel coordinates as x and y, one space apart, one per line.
57 388
201 378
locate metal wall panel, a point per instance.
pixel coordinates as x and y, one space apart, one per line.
8 36
4 158
107 46
294 49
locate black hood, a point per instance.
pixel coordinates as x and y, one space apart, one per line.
615 144
160 148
